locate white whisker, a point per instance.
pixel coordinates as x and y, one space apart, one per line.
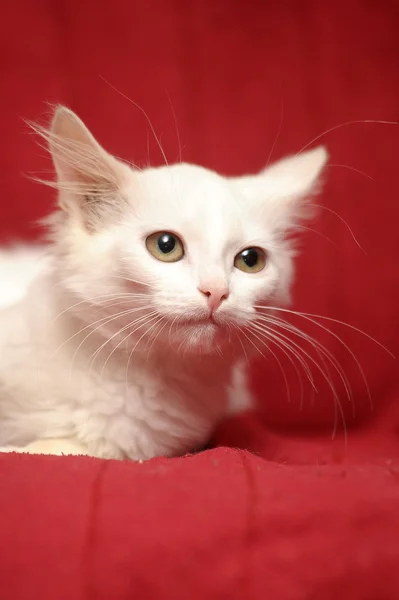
170 328
300 359
312 319
176 126
137 324
103 321
344 125
343 221
70 307
326 378
322 353
351 169
126 278
278 133
242 345
157 335
134 348
304 228
142 111
286 350
303 314
316 345
116 334
276 359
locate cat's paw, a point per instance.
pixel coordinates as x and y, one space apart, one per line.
52 446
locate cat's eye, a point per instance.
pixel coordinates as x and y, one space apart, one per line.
251 260
165 246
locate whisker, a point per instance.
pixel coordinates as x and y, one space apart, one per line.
298 332
118 296
126 278
80 331
322 353
219 352
242 345
278 133
134 348
176 126
113 318
289 327
303 314
253 343
292 347
102 321
140 322
278 362
312 319
230 330
286 350
304 228
170 328
343 221
325 377
351 169
142 111
317 345
157 335
109 339
344 125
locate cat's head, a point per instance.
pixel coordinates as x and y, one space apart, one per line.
177 255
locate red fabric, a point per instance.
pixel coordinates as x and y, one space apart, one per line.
300 516
223 524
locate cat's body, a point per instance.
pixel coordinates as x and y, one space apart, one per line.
116 343
146 406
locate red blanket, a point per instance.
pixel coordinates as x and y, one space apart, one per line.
293 514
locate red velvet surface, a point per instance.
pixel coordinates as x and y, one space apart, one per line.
293 514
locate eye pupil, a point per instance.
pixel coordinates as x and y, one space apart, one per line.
251 260
166 243
164 246
250 257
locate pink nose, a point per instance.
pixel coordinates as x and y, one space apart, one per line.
215 296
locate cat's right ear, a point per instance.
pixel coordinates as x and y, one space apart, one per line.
87 175
284 189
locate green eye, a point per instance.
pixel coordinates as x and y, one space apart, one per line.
165 246
250 260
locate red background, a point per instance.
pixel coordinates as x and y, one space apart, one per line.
243 80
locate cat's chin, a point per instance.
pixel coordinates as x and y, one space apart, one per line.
201 336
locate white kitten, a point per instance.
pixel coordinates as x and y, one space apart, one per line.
124 342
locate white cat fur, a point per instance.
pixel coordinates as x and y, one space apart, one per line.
73 383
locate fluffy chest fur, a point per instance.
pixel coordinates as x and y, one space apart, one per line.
118 406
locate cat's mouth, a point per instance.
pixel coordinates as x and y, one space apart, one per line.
199 331
202 323
210 320
206 322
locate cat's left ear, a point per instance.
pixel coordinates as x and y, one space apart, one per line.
89 179
285 188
